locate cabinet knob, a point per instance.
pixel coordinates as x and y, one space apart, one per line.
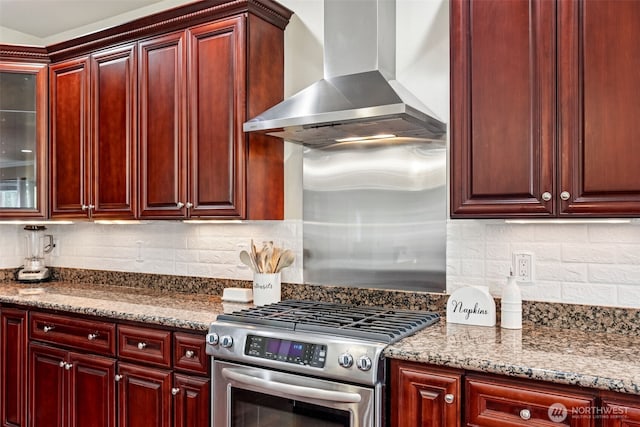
180 205
92 337
68 366
61 364
189 205
84 207
565 195
525 414
189 354
91 207
449 398
119 377
175 391
546 196
142 345
48 328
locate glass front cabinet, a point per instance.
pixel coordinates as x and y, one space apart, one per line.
23 133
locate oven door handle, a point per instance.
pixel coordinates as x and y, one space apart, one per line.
290 389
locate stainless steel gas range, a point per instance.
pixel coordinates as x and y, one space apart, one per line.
304 363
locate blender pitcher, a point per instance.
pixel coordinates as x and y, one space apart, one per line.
37 245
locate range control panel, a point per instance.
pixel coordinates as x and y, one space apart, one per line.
289 351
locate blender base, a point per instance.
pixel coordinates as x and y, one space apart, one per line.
34 276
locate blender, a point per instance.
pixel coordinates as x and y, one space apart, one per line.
37 244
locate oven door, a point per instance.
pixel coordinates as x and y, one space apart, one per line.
246 396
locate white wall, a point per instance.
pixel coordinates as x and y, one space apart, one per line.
592 264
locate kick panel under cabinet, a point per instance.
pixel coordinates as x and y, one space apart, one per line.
543 109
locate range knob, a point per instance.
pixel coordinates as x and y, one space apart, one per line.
345 360
226 341
364 363
212 338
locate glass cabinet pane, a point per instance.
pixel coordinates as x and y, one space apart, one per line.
18 141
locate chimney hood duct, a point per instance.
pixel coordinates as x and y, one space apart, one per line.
359 95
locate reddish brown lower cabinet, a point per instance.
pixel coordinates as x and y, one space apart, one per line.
70 389
501 402
144 396
191 401
13 358
620 411
424 396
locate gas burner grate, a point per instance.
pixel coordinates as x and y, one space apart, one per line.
367 323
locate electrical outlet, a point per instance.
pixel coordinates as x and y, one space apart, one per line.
522 267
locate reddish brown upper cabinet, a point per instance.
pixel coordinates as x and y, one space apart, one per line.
13 364
23 139
197 87
423 396
542 108
93 136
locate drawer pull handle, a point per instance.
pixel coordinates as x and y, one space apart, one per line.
92 337
119 377
525 414
449 398
189 354
142 345
48 328
175 391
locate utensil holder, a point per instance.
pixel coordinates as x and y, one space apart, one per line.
266 288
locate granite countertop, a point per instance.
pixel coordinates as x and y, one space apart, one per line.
598 360
589 359
179 310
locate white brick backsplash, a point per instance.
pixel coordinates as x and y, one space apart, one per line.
628 254
629 296
574 263
619 274
580 294
498 251
614 233
542 291
561 233
561 272
594 253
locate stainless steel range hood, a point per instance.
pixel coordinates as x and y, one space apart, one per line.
359 96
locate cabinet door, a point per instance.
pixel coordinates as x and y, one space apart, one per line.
163 140
192 401
113 142
424 397
47 386
217 148
599 107
13 361
144 396
92 393
502 108
23 132
69 138
620 410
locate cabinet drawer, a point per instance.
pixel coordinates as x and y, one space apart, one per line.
144 345
189 353
494 402
81 334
